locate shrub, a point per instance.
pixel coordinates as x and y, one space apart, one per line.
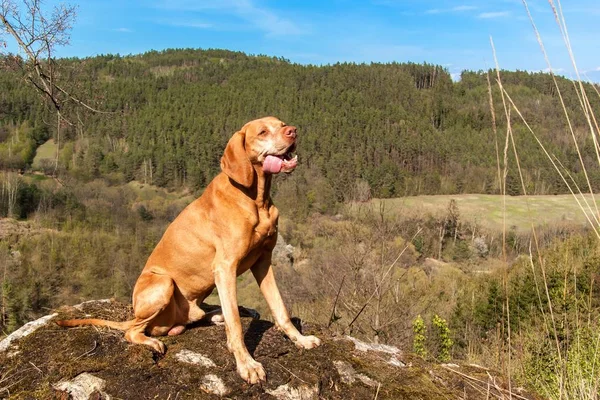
480 247
444 342
420 337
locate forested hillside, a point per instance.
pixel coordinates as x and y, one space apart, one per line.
443 284
405 129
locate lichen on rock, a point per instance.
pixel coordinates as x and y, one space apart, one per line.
82 387
191 357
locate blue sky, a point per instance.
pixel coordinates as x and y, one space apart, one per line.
454 34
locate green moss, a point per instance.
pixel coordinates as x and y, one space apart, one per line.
134 371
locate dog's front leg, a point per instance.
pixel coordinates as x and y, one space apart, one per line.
225 279
263 272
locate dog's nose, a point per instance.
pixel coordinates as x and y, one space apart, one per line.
290 131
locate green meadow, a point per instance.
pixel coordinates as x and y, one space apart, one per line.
46 151
487 210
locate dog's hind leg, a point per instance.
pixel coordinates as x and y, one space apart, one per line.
192 312
154 309
195 313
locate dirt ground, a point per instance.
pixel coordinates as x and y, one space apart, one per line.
33 367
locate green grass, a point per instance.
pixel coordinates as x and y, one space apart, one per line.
45 151
486 210
150 192
35 177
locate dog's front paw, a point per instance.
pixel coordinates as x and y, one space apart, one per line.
217 319
308 342
251 371
156 344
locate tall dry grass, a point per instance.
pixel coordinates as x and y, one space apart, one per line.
575 374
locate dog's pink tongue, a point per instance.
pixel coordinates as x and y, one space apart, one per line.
272 164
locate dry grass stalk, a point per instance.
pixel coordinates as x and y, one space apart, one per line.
567 386
581 93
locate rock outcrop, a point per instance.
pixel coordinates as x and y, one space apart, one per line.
44 361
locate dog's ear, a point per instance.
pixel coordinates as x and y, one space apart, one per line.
235 162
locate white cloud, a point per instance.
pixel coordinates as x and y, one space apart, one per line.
188 24
464 8
593 71
495 14
456 9
124 30
554 70
260 17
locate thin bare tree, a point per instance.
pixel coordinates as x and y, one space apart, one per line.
37 32
9 190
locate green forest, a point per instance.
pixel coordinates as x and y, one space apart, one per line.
83 203
404 128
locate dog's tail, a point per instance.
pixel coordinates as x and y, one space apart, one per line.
96 322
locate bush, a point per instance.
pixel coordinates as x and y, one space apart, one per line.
443 341
480 247
144 214
28 200
419 337
461 251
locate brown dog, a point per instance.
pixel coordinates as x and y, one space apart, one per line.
231 228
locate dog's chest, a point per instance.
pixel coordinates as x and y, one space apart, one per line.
264 239
265 231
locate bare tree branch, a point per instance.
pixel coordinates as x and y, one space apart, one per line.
37 32
37 37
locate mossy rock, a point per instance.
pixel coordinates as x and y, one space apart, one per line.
32 367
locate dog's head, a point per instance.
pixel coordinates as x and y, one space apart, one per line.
267 142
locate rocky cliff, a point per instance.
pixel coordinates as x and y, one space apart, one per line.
44 361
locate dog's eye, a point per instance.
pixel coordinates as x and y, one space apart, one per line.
263 132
